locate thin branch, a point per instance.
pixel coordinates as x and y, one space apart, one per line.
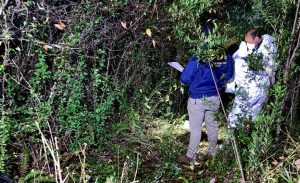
296 18
233 141
290 54
4 3
59 46
295 49
137 167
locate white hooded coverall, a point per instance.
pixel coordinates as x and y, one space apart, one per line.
250 88
268 50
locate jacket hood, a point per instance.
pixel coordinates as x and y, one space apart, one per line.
241 52
268 39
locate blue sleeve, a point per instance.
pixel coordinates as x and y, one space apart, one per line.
230 68
188 73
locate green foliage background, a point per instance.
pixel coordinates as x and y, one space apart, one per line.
102 81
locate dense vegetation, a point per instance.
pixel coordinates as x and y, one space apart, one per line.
87 96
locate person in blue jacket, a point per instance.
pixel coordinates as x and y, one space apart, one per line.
203 102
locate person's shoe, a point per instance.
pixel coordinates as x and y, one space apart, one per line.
184 159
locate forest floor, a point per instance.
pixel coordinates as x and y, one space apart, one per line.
146 150
154 145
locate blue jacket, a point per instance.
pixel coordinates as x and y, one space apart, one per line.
197 74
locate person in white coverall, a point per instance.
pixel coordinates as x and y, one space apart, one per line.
264 45
251 88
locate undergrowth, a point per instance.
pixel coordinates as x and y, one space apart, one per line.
87 95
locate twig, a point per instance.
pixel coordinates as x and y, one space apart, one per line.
59 46
83 164
19 83
4 3
118 162
233 141
137 166
290 54
281 163
295 49
296 18
289 136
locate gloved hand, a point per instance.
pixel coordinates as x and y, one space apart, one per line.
230 87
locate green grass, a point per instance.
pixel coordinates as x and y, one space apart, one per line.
159 142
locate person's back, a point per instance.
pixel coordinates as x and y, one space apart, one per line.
204 101
198 76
